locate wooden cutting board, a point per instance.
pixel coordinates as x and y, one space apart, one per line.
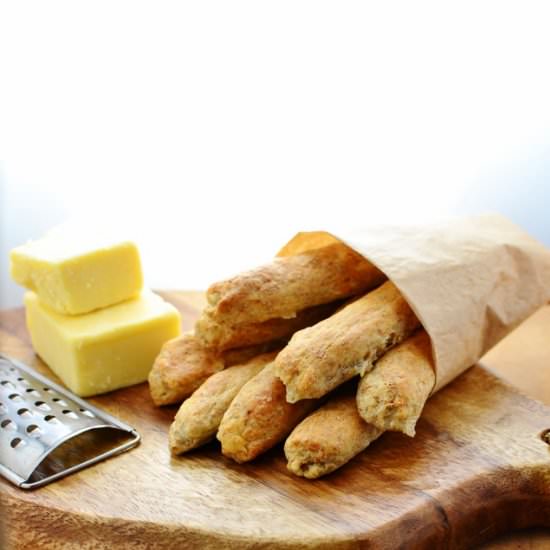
477 467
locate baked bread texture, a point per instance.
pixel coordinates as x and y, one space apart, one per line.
183 364
223 336
291 284
328 438
393 394
199 416
320 358
259 417
273 344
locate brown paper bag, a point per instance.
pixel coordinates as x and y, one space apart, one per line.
470 281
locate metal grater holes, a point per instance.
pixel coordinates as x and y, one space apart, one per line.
37 415
17 442
8 424
60 402
33 430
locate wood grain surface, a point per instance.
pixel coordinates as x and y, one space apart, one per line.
477 467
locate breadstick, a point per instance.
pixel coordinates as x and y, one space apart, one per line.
199 416
239 356
328 438
223 336
290 284
393 394
183 364
259 417
320 358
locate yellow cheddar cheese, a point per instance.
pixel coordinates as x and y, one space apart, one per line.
74 273
104 350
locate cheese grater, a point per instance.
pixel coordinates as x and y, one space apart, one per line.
47 432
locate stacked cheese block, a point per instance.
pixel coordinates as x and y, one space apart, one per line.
87 313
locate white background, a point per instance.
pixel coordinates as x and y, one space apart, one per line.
212 131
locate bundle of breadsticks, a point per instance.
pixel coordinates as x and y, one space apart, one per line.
320 348
273 346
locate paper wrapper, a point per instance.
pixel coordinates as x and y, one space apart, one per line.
469 281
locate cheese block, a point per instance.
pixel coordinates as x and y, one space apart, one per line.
74 272
104 350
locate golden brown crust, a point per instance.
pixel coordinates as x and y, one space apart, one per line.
291 284
259 417
239 356
200 415
320 358
223 336
328 438
393 394
183 364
